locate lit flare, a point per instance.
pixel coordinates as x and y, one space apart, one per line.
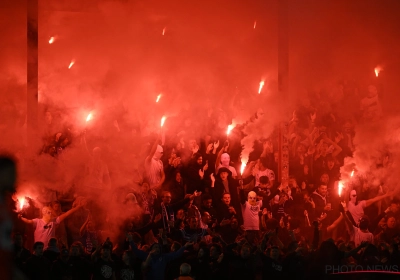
242 167
255 24
163 120
158 98
230 127
51 40
21 201
352 173
71 64
89 117
261 86
163 31
340 188
377 70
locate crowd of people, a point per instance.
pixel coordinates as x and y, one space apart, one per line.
188 212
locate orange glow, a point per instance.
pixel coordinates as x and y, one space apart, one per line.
51 40
255 24
377 70
230 127
163 120
242 167
163 31
158 98
261 86
340 188
89 117
71 64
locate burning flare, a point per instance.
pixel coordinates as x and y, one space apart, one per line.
71 64
230 127
158 98
340 188
89 117
21 202
163 31
255 24
51 40
377 70
352 173
261 86
242 167
163 120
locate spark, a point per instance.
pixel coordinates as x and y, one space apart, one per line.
71 64
158 98
352 173
255 24
51 40
261 86
89 117
163 31
163 120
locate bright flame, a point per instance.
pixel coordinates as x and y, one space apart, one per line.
377 70
255 24
158 97
21 201
163 120
89 117
242 167
352 173
230 127
163 31
261 86
71 64
51 40
340 188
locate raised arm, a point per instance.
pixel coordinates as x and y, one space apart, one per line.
25 220
139 253
152 151
334 144
371 201
348 222
68 213
335 223
224 149
83 227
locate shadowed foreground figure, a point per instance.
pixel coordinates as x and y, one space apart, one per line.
7 187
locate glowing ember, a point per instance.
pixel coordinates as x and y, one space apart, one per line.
340 188
71 64
89 117
255 24
163 31
230 127
352 173
261 86
377 70
158 97
242 167
51 40
163 120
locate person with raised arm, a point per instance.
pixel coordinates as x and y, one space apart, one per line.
45 228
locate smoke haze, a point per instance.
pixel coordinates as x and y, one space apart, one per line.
206 59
